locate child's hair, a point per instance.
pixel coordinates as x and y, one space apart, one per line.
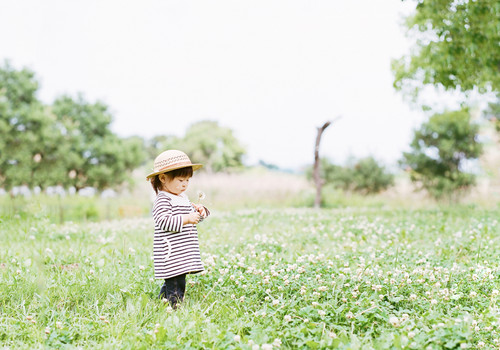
182 172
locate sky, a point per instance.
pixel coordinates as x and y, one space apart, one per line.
271 70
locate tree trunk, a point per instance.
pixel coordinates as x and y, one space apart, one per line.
317 178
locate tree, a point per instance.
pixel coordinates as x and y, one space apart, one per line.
213 145
439 152
457 47
95 157
29 141
318 181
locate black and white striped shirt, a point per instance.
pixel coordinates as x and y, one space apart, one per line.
176 249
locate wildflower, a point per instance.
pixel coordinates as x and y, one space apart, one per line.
267 347
275 302
321 313
242 299
59 325
277 342
349 315
332 335
29 318
494 293
237 338
434 302
322 289
411 335
394 321
141 268
47 330
473 294
481 344
287 318
201 196
169 308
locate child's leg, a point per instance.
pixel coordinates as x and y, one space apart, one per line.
173 289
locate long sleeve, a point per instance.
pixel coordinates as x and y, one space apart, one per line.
164 216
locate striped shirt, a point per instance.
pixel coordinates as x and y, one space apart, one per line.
176 250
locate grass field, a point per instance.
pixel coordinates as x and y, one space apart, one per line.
350 278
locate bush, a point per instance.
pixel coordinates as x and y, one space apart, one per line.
439 152
364 176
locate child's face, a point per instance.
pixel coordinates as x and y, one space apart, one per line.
176 186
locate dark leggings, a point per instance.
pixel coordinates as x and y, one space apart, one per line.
173 289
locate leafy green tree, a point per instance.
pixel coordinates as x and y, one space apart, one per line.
457 46
95 156
439 152
213 145
29 141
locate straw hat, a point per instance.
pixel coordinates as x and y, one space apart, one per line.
171 160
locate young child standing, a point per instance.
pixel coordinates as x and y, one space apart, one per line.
176 250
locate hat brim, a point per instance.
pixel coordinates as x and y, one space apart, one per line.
194 166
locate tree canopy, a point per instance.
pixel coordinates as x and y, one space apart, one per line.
68 143
457 47
439 152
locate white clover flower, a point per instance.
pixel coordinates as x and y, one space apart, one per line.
434 302
141 267
47 330
321 312
481 344
267 347
59 325
332 335
275 302
394 321
411 335
413 297
277 342
237 338
287 318
473 294
494 293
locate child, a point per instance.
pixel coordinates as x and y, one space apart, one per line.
176 250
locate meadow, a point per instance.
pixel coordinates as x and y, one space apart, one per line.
347 278
363 273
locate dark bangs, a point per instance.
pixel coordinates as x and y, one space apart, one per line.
182 172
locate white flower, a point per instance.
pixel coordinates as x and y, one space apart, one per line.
287 318
267 347
237 338
394 321
141 267
473 294
332 335
494 293
413 296
277 342
411 335
275 302
321 312
481 344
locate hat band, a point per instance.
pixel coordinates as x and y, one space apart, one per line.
175 165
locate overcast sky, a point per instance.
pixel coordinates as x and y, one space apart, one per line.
270 70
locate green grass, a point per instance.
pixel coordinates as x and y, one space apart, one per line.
352 278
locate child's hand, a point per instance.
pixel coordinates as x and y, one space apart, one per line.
191 218
200 209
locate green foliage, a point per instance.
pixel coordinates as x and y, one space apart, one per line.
29 138
364 175
96 157
493 113
212 145
67 144
456 47
439 150
348 278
